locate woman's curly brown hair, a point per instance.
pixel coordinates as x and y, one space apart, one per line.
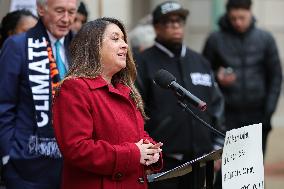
85 53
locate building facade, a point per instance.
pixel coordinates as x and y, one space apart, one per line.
202 19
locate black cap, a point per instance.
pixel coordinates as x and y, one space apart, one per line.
166 8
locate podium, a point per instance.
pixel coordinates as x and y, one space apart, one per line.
194 167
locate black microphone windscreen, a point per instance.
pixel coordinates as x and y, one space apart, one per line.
164 78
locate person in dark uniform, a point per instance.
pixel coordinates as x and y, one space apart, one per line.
184 137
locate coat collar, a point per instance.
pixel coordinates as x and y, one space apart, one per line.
99 82
168 52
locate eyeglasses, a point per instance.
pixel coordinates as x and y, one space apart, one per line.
171 22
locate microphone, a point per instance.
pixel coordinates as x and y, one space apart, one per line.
166 80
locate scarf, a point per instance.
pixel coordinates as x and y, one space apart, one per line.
43 79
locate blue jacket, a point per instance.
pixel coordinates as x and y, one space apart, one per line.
17 118
17 112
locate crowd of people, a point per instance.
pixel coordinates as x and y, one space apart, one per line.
78 110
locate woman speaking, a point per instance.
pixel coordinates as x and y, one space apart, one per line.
99 116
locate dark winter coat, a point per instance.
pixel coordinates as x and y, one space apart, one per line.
254 58
168 122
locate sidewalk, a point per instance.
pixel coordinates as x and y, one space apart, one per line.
274 160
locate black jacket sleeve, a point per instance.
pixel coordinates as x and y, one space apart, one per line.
274 76
210 51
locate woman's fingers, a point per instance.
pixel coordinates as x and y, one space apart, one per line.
149 152
157 145
153 159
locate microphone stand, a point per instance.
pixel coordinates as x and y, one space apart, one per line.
209 164
186 108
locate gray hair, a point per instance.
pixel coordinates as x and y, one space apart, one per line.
44 2
143 35
41 2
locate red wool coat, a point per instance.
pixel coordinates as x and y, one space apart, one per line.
96 126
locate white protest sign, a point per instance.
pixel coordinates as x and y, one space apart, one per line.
23 4
242 159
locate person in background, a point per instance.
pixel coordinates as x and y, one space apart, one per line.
138 43
143 28
16 22
98 114
80 19
247 66
32 65
184 138
248 69
142 36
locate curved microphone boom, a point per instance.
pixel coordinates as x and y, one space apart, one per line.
166 80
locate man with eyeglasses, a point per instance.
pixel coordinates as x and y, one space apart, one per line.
184 138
